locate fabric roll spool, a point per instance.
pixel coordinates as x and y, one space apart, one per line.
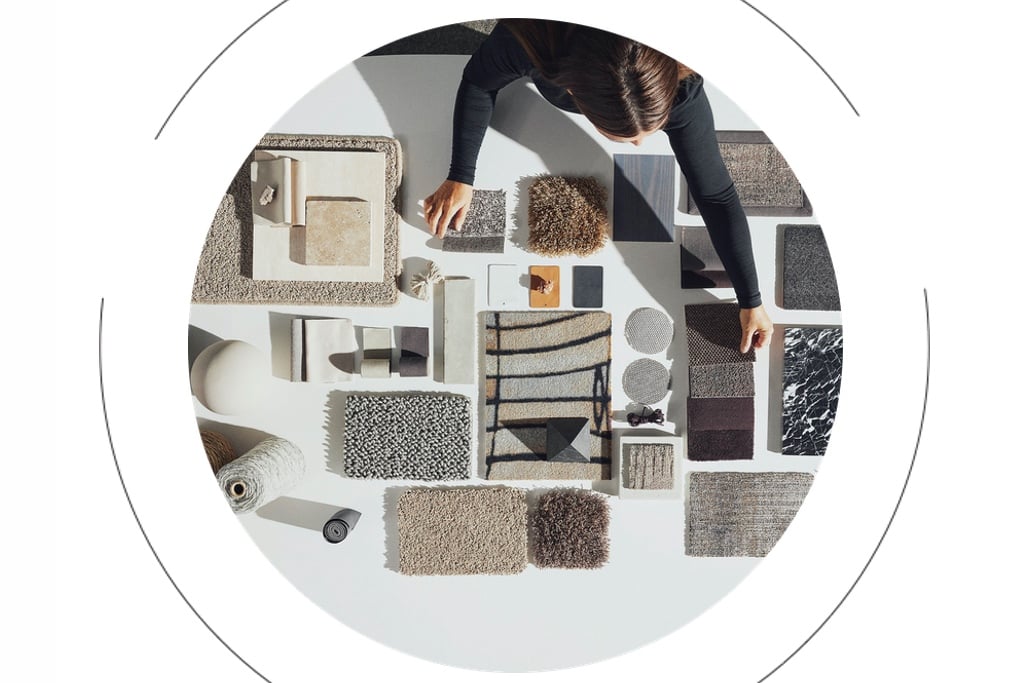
337 528
272 467
218 449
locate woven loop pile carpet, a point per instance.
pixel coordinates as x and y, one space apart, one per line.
541 365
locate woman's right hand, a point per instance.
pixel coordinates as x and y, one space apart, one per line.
447 206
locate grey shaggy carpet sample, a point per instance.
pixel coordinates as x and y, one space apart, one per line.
651 466
722 380
741 514
567 215
224 274
713 334
424 436
569 529
484 229
462 531
808 277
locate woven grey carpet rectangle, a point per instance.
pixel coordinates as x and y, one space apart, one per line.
643 208
812 369
224 274
462 531
418 435
741 514
719 444
719 413
649 466
722 380
766 184
569 529
713 334
540 365
808 277
484 229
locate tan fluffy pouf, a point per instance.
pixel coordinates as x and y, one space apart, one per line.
567 216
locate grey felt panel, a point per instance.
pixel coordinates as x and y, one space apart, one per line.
720 444
697 251
587 286
644 192
713 334
741 514
705 279
484 229
719 413
811 375
722 380
764 181
808 277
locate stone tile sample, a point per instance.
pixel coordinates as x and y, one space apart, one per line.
643 208
460 331
484 228
376 352
337 233
587 286
811 375
808 277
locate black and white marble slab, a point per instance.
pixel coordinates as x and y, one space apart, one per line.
812 370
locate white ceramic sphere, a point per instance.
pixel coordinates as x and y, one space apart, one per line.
231 377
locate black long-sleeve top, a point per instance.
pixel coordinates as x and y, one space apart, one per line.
500 60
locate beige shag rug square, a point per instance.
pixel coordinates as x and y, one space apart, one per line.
451 531
567 215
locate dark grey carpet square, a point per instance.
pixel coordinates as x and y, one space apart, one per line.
587 286
808 278
713 334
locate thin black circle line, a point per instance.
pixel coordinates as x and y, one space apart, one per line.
110 438
809 55
203 72
920 430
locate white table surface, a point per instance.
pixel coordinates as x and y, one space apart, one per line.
540 618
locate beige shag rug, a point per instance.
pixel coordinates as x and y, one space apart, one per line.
224 274
569 529
567 215
451 531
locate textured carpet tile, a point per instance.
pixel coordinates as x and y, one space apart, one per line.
648 330
650 466
741 514
811 375
720 444
540 365
567 215
722 380
484 229
224 274
764 181
719 413
569 529
423 436
713 334
587 286
808 277
462 531
646 381
644 187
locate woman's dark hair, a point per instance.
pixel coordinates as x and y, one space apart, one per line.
623 87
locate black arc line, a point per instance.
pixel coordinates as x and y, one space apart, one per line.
110 439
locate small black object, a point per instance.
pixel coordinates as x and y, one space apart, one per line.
341 522
654 417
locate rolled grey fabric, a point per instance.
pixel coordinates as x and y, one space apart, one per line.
272 467
341 522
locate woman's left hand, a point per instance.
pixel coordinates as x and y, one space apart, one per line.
756 327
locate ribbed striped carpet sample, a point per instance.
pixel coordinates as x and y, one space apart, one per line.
741 514
812 369
540 365
445 531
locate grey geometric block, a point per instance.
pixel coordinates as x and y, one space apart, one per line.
568 439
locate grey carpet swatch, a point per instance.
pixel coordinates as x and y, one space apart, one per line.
764 181
705 279
696 250
650 466
587 286
646 381
720 444
649 330
741 514
722 380
484 229
540 365
808 277
569 529
454 39
713 334
811 374
423 436
224 274
462 531
719 413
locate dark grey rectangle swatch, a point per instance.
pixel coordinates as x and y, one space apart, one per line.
644 193
722 380
720 444
808 277
587 286
719 413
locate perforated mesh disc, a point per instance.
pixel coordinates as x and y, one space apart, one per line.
648 330
645 381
